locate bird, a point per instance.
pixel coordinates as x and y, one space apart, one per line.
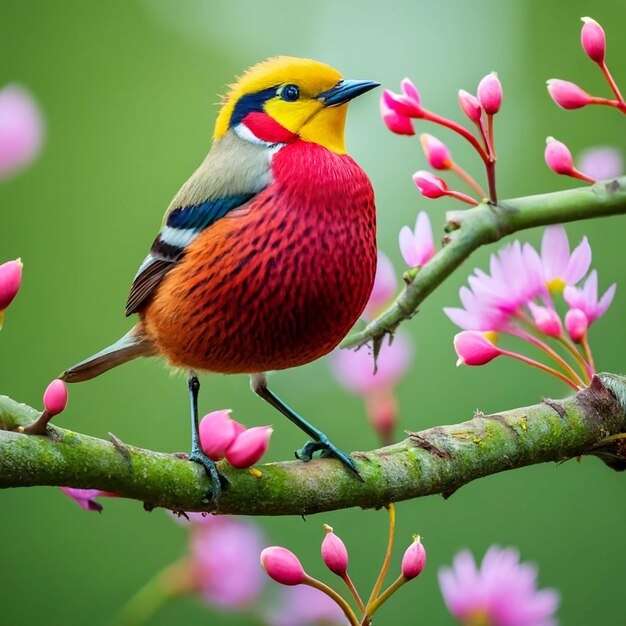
267 254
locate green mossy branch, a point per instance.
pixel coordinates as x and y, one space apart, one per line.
472 228
434 461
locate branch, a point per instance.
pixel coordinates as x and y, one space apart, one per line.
434 461
472 228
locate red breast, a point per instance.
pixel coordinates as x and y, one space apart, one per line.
278 282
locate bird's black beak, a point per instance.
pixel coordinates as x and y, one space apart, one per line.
345 90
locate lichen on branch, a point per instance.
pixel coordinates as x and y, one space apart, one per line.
439 460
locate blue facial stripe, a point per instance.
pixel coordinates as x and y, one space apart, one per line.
251 102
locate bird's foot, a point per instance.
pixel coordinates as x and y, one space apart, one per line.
218 482
327 449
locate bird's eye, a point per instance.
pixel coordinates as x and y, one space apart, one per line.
290 93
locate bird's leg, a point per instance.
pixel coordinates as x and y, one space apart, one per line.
197 454
320 442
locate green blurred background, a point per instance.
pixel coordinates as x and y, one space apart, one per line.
128 91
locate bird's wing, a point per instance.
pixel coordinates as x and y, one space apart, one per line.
181 226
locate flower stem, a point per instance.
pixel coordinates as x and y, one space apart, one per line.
333 595
463 175
584 366
457 128
353 591
462 197
588 355
575 173
170 582
542 367
555 356
385 595
383 570
612 83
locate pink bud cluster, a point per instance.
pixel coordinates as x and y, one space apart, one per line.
517 298
398 110
570 96
222 437
285 568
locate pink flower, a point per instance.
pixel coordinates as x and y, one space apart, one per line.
334 552
85 498
586 298
503 592
21 129
430 186
217 433
601 163
568 95
559 159
385 285
474 348
593 40
546 319
394 121
560 268
354 369
576 323
10 281
489 93
436 152
305 606
283 566
55 398
470 105
414 559
249 446
224 555
417 246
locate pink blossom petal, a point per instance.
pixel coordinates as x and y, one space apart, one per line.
601 163
85 498
354 369
605 301
226 555
579 262
21 129
554 252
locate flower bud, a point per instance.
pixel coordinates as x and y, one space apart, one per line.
576 323
217 433
593 40
394 121
568 95
489 93
283 566
55 398
382 413
474 348
249 446
430 186
470 105
407 103
10 281
334 552
546 319
436 152
414 559
558 157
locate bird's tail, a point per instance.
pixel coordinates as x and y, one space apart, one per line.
132 345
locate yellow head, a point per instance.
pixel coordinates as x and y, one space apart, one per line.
286 98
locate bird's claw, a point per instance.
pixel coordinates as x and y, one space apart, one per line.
327 449
218 482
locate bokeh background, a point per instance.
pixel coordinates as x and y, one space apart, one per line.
128 91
